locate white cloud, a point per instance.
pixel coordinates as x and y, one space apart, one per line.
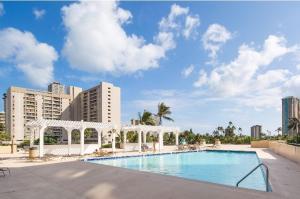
187 71
191 23
1 9
214 38
181 21
33 58
96 29
298 66
39 13
202 79
244 79
170 22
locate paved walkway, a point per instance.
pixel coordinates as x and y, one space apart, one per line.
76 179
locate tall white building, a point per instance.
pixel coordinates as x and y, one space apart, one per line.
2 121
256 131
101 103
23 105
56 88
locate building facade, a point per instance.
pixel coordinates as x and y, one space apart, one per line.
98 104
56 88
290 109
256 131
23 105
102 103
2 121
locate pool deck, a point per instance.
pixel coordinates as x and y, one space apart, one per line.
76 179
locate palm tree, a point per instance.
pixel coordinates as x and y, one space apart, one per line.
220 129
294 124
146 118
163 112
278 130
240 130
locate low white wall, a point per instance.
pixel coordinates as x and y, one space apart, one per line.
90 148
135 147
289 151
75 149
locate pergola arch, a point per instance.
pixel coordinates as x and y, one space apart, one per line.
69 126
144 129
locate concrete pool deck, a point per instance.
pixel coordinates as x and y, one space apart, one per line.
76 179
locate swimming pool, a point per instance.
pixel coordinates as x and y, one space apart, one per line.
222 167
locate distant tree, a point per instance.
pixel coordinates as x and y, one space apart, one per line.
294 124
230 129
75 136
278 130
240 130
4 136
163 112
146 118
2 127
220 129
216 133
132 137
88 133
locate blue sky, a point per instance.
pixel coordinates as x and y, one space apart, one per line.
212 62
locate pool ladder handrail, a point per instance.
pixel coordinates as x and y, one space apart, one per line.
266 179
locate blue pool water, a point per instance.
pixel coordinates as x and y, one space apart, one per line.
222 167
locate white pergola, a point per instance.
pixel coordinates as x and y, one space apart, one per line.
69 126
101 128
144 129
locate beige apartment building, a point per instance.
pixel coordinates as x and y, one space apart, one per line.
98 104
2 121
101 104
256 131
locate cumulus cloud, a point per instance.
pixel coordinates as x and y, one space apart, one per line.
33 58
39 13
181 21
188 71
169 22
1 9
96 29
214 38
202 79
191 23
244 79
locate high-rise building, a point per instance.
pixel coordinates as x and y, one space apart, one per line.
99 104
23 105
102 103
56 88
290 109
2 121
256 131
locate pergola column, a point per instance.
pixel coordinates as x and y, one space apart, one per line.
176 138
69 132
160 140
41 148
82 141
140 140
99 131
124 139
113 140
32 132
144 137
